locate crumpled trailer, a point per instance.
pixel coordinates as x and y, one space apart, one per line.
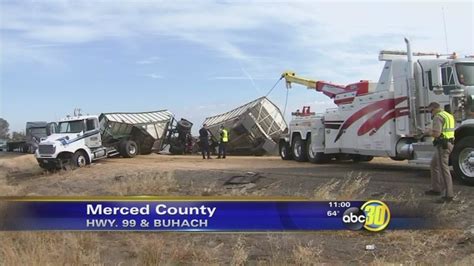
81 140
254 128
144 128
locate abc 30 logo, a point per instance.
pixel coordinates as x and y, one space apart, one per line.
374 216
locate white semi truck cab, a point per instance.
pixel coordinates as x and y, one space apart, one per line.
82 139
387 118
76 143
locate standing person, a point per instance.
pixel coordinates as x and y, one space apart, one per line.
443 134
224 138
204 139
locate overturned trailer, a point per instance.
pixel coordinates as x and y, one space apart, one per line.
81 140
254 128
146 129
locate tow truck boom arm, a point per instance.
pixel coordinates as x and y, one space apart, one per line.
290 77
329 89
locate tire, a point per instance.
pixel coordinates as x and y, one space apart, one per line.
298 149
285 150
145 150
397 159
342 157
176 150
184 124
315 157
79 159
460 156
361 158
128 149
48 167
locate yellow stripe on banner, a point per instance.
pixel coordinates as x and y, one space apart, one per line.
147 198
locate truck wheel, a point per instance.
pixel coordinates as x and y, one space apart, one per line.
463 160
49 167
361 158
397 159
298 149
342 157
366 158
285 151
177 149
129 149
315 157
79 159
184 124
146 150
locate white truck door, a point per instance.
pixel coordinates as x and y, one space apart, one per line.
92 134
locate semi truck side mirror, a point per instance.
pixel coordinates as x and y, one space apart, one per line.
470 102
437 89
434 80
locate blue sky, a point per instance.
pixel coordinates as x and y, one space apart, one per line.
201 58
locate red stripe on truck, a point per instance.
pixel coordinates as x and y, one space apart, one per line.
384 111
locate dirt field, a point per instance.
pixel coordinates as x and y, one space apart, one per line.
190 175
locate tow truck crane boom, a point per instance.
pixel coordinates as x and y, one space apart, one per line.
290 77
329 89
386 118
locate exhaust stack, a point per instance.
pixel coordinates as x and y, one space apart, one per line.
411 91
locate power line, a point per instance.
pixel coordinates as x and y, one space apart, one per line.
445 31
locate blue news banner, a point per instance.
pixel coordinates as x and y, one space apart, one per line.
203 215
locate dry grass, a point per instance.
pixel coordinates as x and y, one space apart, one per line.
445 215
351 187
307 254
466 261
72 248
412 247
240 252
7 190
24 163
81 248
407 247
27 248
171 248
144 183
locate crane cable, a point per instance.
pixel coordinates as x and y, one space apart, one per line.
286 101
286 98
274 85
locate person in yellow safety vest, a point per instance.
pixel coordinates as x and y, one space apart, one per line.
443 134
224 138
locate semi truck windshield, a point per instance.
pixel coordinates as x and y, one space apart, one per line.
38 131
71 126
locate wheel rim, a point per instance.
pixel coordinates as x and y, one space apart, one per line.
297 149
466 156
283 151
311 153
132 149
81 161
